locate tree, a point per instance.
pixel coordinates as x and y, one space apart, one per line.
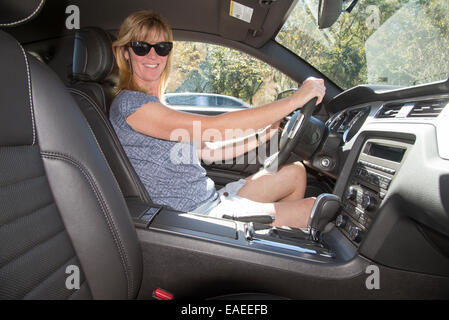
401 42
409 35
199 67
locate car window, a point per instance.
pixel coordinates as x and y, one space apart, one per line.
394 42
211 75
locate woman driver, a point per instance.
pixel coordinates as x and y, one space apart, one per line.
146 130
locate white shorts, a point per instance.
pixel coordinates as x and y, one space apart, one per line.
230 205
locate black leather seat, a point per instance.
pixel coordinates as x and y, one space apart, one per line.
59 201
93 65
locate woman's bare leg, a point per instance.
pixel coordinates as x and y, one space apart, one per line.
287 184
283 194
293 213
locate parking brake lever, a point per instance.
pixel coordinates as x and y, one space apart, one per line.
324 210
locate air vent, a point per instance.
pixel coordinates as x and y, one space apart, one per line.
428 109
389 111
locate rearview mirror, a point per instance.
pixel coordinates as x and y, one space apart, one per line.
328 12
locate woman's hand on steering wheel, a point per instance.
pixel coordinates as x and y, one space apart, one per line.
311 88
308 95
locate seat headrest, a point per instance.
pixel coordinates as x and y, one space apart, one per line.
14 13
17 126
93 59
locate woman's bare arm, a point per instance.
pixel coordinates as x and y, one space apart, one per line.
156 120
231 149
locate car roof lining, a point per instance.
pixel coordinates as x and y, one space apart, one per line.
211 16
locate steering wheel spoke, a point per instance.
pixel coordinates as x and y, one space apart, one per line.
290 135
296 126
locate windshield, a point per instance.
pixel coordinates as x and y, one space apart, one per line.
389 42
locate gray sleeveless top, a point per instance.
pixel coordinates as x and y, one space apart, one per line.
170 171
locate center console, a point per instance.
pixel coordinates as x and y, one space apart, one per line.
293 243
362 190
371 176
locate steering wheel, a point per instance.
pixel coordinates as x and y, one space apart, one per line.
291 133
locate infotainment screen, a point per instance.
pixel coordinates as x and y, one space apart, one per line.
384 152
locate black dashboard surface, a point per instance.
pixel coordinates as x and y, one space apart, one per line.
367 93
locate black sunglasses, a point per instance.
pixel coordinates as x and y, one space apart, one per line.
141 48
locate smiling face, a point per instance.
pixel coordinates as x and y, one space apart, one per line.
147 70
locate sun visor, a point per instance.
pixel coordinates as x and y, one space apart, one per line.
238 19
251 21
17 12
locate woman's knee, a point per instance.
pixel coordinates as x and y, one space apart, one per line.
305 209
297 172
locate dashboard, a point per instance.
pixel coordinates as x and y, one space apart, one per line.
348 122
391 171
342 128
389 157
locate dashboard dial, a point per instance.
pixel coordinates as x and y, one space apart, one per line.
348 122
355 124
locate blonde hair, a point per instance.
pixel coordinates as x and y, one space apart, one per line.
136 27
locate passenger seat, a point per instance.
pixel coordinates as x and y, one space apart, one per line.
92 88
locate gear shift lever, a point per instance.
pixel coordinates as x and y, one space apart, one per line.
324 210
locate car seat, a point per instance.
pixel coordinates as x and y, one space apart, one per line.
93 63
60 204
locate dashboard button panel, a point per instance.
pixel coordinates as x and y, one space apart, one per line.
367 187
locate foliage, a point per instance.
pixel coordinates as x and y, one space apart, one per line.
200 67
400 42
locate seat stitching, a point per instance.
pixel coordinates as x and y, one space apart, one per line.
89 98
110 222
104 157
111 225
136 183
93 134
102 95
29 94
24 19
97 108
